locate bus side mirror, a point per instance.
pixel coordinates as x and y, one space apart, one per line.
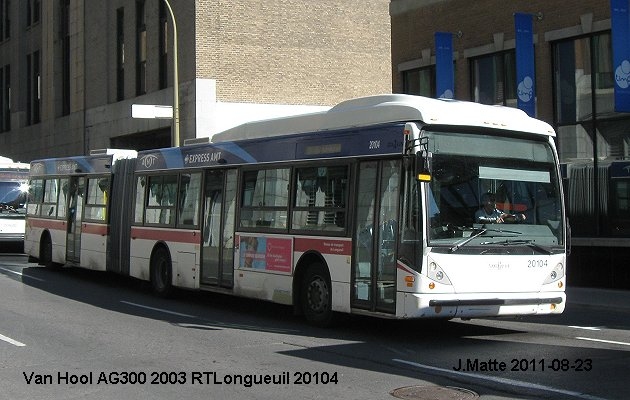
423 162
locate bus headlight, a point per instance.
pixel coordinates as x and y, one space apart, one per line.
436 273
556 274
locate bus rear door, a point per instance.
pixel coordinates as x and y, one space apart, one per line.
75 218
217 253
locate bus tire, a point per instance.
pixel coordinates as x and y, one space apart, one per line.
45 252
317 296
161 273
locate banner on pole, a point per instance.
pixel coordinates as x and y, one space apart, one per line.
620 25
444 71
525 67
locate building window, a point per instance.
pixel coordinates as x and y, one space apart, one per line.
5 99
65 62
419 81
493 79
5 21
593 140
163 45
33 88
120 54
141 50
33 12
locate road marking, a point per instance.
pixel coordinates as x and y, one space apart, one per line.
503 381
587 328
20 274
604 341
13 342
213 324
159 309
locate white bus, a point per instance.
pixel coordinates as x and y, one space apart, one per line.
13 189
368 208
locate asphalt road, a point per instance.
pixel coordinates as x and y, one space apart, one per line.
72 333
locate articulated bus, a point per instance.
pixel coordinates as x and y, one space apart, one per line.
368 208
13 190
72 215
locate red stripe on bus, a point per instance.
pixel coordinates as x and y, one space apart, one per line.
166 234
324 246
54 224
95 229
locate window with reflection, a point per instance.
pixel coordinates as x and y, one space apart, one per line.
593 140
321 198
161 201
264 198
419 81
189 199
494 79
96 202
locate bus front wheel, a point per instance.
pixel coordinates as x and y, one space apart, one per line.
317 296
161 273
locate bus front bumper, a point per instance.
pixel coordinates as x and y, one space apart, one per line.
486 305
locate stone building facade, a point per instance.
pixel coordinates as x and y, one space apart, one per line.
70 70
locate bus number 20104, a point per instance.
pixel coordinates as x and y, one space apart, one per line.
536 263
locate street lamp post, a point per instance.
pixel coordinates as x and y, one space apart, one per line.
175 134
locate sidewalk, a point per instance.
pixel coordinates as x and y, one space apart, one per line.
599 298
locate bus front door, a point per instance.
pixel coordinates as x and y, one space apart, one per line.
74 219
376 227
217 253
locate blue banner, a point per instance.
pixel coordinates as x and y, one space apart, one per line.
525 68
620 24
444 71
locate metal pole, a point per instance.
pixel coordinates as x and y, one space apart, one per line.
175 134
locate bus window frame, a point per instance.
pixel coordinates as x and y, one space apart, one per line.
172 207
175 207
104 207
346 209
32 201
274 209
50 213
178 223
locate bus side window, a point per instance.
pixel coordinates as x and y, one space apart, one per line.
189 201
50 198
321 198
62 204
264 198
162 193
35 196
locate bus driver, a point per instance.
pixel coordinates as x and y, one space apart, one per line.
489 214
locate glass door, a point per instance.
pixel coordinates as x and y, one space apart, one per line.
217 253
74 219
376 231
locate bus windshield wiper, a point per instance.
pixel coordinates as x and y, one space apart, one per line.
463 242
526 242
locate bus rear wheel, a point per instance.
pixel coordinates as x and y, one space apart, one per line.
317 296
161 273
45 252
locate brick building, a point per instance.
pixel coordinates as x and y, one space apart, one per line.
71 69
574 80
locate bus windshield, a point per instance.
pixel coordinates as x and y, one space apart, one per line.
13 197
493 192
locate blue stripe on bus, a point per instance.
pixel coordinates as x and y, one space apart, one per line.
351 142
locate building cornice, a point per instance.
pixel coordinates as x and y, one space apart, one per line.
397 7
